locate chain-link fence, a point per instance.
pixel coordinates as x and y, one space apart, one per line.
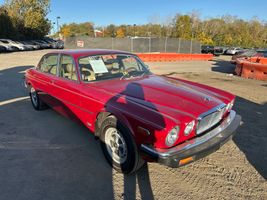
135 44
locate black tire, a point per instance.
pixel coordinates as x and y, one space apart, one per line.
37 103
133 160
16 48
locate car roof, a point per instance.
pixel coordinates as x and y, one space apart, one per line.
89 52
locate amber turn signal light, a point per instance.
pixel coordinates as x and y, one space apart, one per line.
185 161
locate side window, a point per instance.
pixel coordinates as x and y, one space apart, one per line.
49 64
67 68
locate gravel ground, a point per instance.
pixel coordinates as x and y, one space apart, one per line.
44 155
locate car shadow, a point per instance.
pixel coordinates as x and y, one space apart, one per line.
44 155
223 66
11 82
251 137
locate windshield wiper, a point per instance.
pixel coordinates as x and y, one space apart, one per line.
143 74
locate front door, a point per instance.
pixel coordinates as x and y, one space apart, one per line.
66 87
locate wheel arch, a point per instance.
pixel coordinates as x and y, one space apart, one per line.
102 115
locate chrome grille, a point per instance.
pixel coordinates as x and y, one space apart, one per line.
210 118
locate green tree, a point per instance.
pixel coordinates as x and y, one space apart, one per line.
183 27
29 16
110 31
6 26
73 29
121 32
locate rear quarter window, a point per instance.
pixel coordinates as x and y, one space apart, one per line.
48 64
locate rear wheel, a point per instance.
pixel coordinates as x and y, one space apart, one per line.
37 103
119 146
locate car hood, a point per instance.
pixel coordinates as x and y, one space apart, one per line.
172 97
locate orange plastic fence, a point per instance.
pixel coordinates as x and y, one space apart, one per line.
169 57
255 68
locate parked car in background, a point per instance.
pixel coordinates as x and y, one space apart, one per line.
60 44
55 44
218 51
40 44
138 116
30 44
207 49
8 47
249 53
27 46
233 50
45 44
3 48
15 44
225 48
262 53
212 50
243 54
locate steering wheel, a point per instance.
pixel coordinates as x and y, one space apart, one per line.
130 69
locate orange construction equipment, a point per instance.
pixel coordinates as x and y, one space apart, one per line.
255 68
170 57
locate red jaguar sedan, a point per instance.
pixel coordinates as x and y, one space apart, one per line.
138 116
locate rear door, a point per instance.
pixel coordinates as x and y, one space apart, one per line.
45 75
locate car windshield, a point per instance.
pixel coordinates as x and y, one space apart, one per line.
104 67
4 41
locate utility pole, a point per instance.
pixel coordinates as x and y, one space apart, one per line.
134 30
58 25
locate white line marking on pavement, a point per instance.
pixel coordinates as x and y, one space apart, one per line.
2 103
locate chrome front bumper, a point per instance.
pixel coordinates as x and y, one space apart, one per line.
197 147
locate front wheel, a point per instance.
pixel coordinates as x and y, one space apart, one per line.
119 146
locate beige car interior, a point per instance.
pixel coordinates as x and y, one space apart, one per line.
87 73
67 68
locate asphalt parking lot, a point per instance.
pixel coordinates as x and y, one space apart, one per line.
44 155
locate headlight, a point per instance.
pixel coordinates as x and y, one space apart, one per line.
188 129
172 136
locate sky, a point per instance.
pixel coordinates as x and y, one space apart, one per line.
104 12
